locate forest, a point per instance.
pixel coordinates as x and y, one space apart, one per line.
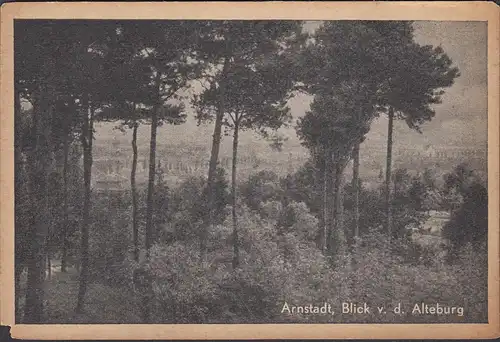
220 248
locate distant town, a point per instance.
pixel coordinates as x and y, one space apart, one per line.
177 162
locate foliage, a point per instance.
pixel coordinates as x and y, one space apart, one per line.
469 224
140 72
337 119
305 185
109 247
407 202
184 290
188 206
260 187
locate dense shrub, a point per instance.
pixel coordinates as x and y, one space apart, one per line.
110 238
280 261
260 187
380 277
185 291
469 224
187 207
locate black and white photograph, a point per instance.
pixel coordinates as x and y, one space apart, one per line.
250 171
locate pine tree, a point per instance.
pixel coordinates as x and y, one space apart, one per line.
227 46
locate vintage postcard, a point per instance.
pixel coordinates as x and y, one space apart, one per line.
253 170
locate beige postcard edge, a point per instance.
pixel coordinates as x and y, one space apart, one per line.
482 11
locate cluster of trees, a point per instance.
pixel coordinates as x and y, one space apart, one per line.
281 244
74 73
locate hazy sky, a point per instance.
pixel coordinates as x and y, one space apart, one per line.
460 120
462 117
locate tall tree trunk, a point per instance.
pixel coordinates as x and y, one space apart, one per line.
18 270
336 194
86 137
151 180
214 158
388 205
148 296
236 251
19 252
135 228
326 177
340 200
329 185
64 231
49 257
40 161
355 188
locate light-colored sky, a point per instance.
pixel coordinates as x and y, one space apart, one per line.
461 120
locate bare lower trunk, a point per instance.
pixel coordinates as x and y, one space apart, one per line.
340 221
388 206
19 216
212 168
48 244
87 137
214 156
40 161
49 262
355 187
135 228
236 251
336 193
151 180
329 202
17 289
326 231
64 247
147 297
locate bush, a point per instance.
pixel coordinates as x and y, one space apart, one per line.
187 206
469 224
110 241
260 187
285 266
382 277
185 291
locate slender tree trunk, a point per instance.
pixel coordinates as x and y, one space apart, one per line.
336 226
355 187
49 261
17 289
41 163
148 296
87 137
20 251
388 205
214 158
356 190
340 195
135 228
64 233
151 180
236 255
329 212
326 176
